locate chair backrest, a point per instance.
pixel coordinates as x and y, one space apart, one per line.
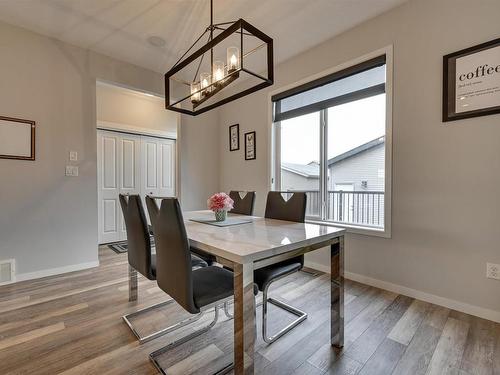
138 239
294 209
173 257
242 206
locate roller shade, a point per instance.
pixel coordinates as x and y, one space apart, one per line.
354 83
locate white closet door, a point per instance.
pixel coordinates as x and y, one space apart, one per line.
166 173
158 166
118 159
130 171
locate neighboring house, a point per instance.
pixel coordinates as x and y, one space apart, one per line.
300 176
356 184
359 169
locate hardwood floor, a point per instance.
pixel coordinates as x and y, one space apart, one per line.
71 324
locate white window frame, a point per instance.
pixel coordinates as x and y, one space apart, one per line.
274 171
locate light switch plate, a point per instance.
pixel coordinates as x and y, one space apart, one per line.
73 156
71 171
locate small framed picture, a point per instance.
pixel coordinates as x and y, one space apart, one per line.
471 82
250 153
234 137
17 138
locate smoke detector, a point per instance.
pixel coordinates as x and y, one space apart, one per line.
156 41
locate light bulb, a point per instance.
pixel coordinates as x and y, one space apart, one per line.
218 71
195 92
233 61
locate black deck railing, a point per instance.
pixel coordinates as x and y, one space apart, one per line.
364 208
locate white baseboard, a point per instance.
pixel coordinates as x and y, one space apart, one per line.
55 271
413 293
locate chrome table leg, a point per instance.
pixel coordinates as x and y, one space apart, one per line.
244 319
337 293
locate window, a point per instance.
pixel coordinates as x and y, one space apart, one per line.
331 142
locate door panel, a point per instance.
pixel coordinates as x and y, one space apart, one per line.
130 147
109 214
118 160
167 167
151 164
109 162
107 178
128 167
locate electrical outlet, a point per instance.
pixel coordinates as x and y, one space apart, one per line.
493 271
73 156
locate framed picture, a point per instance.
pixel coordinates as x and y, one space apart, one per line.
17 138
471 82
234 137
250 153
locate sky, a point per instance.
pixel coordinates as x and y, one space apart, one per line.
349 125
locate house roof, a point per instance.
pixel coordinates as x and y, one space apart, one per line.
311 170
357 150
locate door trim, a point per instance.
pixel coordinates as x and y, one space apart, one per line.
127 129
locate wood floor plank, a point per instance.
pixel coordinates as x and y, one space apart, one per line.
297 354
437 317
32 335
59 296
95 341
307 369
385 358
479 350
496 355
39 318
406 327
196 361
344 366
365 318
449 350
307 287
364 347
418 355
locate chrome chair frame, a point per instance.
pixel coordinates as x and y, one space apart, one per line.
133 287
302 315
216 306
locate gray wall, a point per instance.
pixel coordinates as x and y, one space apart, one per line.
127 108
441 238
199 162
48 222
364 166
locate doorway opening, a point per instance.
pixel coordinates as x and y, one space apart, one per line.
136 153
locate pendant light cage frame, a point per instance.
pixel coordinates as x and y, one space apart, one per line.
225 30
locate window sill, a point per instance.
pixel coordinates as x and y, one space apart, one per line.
365 231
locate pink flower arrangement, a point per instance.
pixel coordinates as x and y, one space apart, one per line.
220 202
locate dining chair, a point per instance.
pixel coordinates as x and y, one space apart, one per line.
294 209
196 290
242 206
142 260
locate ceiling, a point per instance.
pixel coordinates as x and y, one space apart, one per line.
120 28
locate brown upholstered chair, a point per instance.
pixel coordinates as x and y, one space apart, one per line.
242 206
294 209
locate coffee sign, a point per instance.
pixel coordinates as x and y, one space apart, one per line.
472 82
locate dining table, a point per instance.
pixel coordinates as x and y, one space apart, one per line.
247 243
